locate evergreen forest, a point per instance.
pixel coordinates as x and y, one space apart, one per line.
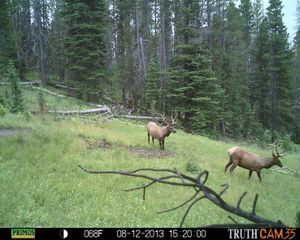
221 67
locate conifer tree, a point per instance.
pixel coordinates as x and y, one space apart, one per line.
261 84
7 45
231 67
124 50
296 136
193 88
16 101
86 43
282 115
152 89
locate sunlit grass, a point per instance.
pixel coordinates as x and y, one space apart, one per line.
41 185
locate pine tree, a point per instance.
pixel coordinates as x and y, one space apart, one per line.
259 81
40 30
261 84
296 135
124 49
194 89
7 45
86 44
247 16
258 15
152 89
23 31
246 10
282 115
16 103
56 58
229 54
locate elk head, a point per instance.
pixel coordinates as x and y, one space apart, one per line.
170 125
276 155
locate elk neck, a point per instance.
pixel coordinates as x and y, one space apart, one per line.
165 131
267 162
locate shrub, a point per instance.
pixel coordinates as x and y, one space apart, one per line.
287 143
192 167
3 110
16 104
265 138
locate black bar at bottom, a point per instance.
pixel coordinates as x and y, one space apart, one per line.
149 233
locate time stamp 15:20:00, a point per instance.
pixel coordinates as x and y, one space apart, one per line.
161 233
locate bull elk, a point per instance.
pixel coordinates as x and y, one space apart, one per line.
160 133
251 161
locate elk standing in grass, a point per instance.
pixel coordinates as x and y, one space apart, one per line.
160 133
251 161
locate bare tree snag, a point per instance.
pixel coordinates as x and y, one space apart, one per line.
201 192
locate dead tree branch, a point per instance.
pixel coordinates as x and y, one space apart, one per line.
176 178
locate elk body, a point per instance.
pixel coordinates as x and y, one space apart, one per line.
160 133
251 161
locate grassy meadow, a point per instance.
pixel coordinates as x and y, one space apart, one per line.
41 185
30 97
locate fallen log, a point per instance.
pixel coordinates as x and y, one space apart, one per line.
104 109
49 92
142 118
287 170
65 87
95 105
22 83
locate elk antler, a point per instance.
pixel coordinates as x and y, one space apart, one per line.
275 146
173 122
163 118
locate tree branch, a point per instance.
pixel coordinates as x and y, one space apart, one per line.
199 186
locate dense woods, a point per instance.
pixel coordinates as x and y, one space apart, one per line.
222 67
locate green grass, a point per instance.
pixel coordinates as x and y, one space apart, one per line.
30 97
41 185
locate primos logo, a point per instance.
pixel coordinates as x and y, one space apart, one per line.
23 233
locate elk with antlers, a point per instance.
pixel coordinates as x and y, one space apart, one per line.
251 161
160 133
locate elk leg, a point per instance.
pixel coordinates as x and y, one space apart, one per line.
258 174
163 144
160 144
227 165
153 141
250 173
148 138
234 164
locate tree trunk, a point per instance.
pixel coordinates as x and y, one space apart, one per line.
40 38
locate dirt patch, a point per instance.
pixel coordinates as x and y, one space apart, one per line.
137 150
95 143
150 152
6 132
